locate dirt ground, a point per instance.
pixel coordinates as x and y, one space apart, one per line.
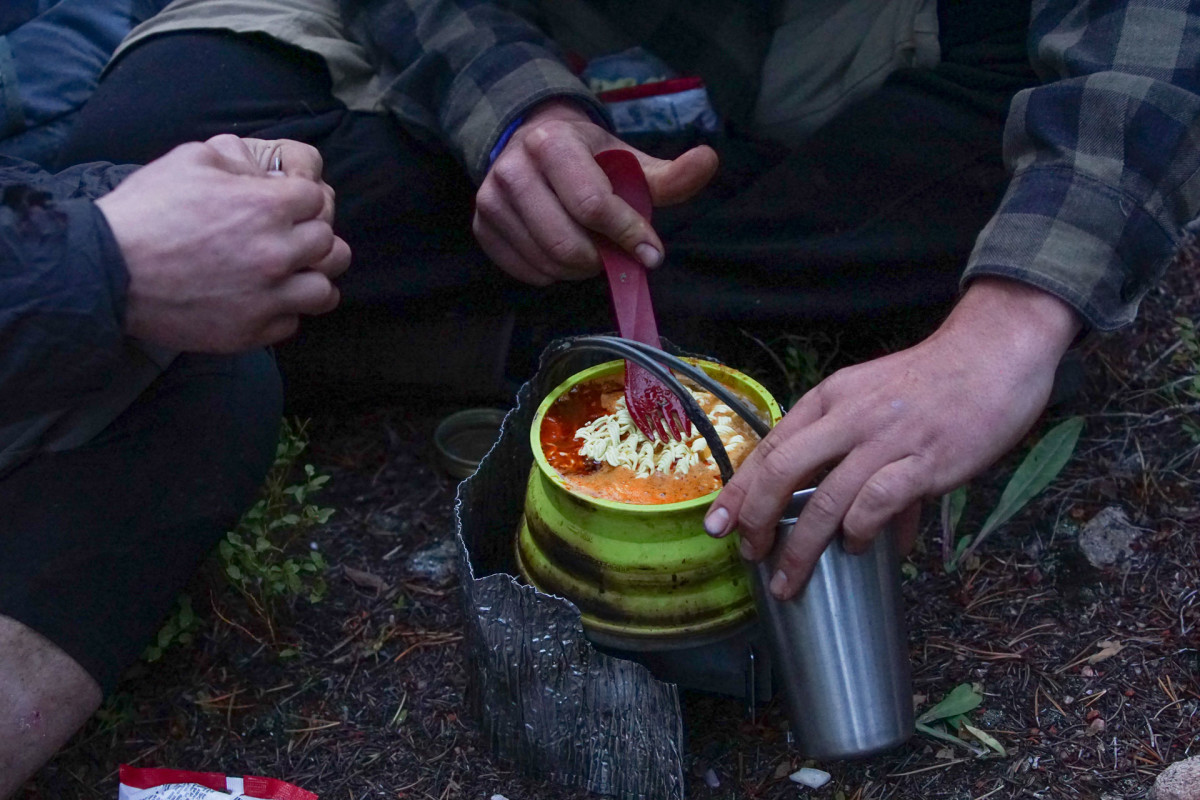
362 694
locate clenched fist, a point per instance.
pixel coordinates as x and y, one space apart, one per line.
224 253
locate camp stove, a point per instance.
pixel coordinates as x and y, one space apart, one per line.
600 715
596 706
736 666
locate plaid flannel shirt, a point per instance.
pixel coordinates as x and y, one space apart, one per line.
465 70
462 70
1105 155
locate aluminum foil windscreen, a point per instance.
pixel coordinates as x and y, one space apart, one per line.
546 699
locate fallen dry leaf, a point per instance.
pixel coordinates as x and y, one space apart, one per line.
1108 649
366 580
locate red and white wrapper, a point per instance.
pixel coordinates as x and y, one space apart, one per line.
155 783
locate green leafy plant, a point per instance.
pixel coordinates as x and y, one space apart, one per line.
1187 356
802 359
1039 468
179 629
116 711
257 557
948 718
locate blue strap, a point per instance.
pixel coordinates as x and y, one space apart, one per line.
520 120
503 140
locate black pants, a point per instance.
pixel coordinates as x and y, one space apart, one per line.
98 541
878 210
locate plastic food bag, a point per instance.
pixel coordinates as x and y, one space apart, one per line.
668 106
154 783
644 95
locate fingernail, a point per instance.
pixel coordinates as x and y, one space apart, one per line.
746 550
648 255
716 522
778 584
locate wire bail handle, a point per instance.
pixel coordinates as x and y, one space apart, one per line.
656 362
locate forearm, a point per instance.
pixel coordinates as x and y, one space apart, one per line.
1032 325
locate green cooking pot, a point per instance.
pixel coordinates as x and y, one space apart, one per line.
645 577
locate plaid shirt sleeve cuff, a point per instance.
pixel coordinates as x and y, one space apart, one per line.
1090 245
535 81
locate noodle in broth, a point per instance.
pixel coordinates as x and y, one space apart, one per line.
588 438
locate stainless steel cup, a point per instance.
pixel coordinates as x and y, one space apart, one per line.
840 648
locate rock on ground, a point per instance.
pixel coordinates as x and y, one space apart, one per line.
1108 537
1180 781
813 778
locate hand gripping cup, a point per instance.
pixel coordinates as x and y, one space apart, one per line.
840 648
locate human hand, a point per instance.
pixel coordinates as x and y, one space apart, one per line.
910 425
545 193
222 255
294 159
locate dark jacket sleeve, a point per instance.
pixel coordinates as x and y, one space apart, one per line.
62 287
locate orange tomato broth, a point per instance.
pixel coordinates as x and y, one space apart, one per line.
585 402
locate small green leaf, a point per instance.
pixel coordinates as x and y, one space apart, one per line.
1040 467
186 615
165 636
956 722
957 502
986 738
234 572
937 733
962 698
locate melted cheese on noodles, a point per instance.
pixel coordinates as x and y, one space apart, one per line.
615 440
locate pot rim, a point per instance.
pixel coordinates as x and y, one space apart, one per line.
755 392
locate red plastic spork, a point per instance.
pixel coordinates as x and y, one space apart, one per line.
649 401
